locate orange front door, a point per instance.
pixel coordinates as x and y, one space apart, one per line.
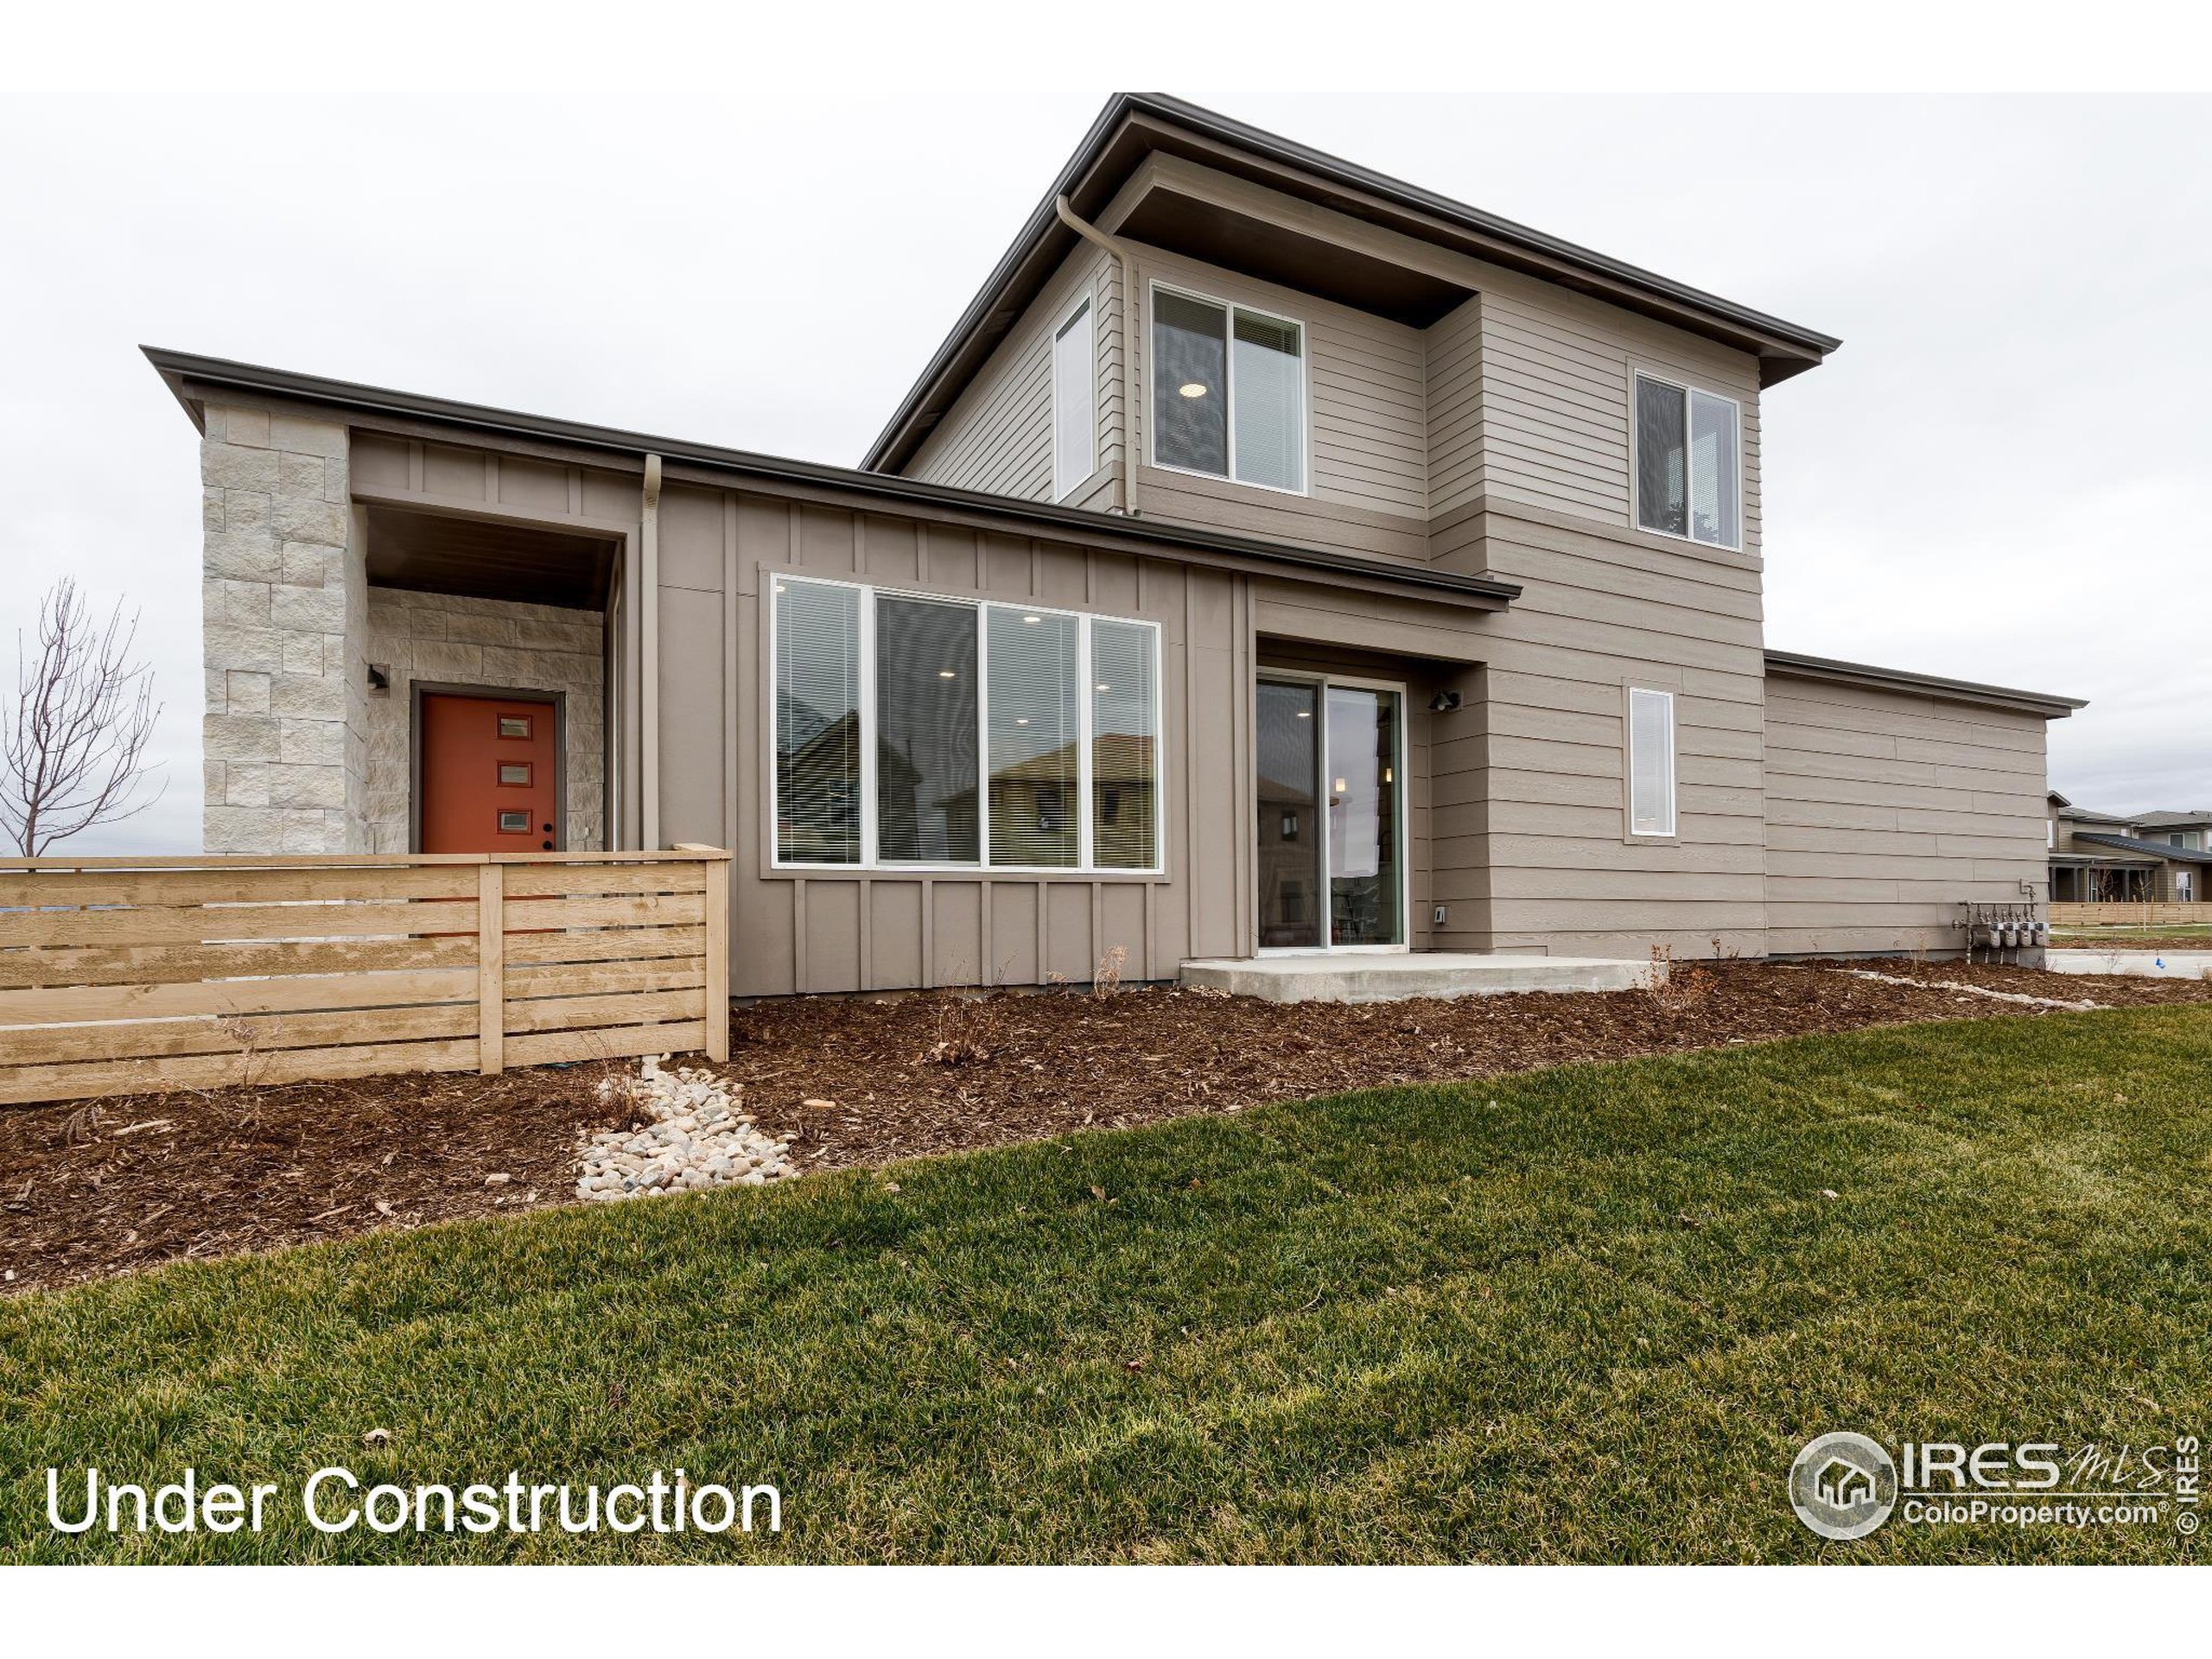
488 774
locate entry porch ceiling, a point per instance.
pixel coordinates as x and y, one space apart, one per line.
436 553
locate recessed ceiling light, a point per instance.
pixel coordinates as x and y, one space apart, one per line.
1305 714
947 674
1021 719
1102 686
1033 620
1192 389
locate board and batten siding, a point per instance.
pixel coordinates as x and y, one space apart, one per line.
825 929
998 434
1886 810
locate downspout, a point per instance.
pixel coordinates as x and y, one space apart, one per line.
649 659
1126 267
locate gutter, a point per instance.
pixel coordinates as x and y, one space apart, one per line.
1126 268
1532 246
649 657
2049 706
1024 517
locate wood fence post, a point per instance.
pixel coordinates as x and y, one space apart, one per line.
717 948
718 960
491 968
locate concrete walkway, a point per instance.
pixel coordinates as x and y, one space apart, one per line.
1321 977
2135 964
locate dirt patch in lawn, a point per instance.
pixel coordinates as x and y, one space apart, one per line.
87 1190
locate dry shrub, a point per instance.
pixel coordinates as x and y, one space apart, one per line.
1107 978
967 1027
1677 987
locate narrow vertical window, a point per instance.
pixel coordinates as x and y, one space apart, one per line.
1687 479
1651 762
926 701
1124 711
817 723
1034 720
1075 404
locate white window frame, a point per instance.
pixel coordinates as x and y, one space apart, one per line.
1228 389
1672 758
1686 386
1086 312
871 862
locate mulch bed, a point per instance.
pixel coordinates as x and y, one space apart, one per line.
92 1189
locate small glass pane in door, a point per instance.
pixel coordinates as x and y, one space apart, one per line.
1290 833
1362 793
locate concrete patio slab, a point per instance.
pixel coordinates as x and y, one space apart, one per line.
1388 978
2138 964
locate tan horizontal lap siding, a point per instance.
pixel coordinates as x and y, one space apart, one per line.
998 434
1531 850
1528 400
1886 811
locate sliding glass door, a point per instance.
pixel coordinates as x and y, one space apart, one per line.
1330 789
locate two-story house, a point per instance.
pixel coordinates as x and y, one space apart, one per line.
1276 556
2151 858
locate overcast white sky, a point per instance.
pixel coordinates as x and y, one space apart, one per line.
1998 478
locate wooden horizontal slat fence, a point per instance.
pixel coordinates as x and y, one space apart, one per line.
123 975
2136 915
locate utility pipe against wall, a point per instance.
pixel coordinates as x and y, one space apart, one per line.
1125 269
649 654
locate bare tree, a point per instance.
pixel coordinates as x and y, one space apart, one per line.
72 754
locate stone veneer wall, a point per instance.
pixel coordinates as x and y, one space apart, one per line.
444 638
282 592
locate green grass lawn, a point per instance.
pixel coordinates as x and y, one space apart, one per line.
1589 1313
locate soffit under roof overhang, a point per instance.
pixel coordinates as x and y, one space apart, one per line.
1136 127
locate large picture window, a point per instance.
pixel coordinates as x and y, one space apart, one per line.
926 732
1229 391
1686 463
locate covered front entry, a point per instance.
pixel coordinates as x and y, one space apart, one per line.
1332 864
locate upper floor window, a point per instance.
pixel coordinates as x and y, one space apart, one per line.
1075 403
1686 472
1229 391
918 731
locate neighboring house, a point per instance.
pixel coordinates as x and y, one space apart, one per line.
2152 857
1250 479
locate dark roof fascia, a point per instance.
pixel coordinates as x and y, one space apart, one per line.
2151 849
1930 685
895 442
176 368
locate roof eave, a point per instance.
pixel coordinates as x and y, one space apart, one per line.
179 370
1783 348
2050 707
